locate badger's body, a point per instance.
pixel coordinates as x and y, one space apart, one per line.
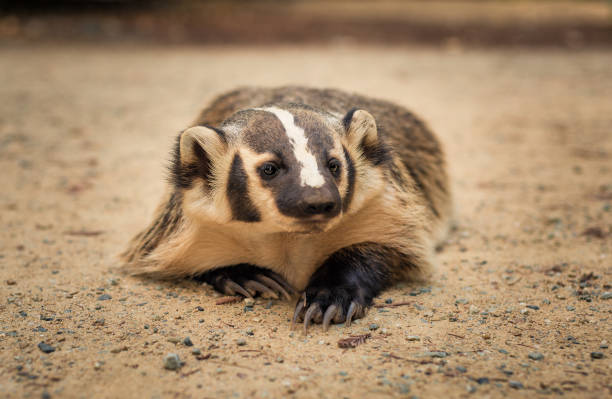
330 193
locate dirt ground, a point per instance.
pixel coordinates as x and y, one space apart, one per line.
516 308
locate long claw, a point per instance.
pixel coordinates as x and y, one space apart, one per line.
310 313
298 309
330 313
351 312
273 284
259 287
232 285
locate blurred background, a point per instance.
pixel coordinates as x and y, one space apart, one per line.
448 22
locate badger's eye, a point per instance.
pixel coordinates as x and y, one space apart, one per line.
268 170
334 166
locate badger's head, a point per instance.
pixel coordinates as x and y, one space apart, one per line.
284 168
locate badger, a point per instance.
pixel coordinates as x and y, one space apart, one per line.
319 194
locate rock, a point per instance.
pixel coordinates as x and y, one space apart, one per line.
196 351
535 356
597 355
606 295
461 369
241 342
172 362
45 347
104 297
249 302
199 309
534 307
413 338
474 309
187 342
373 326
482 380
515 384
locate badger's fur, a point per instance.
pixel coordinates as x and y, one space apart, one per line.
332 194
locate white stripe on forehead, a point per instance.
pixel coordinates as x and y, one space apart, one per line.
309 173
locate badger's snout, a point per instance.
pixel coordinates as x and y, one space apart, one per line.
321 202
312 203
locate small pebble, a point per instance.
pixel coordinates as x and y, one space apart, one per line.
241 342
373 326
461 369
604 344
570 308
515 384
535 356
388 301
196 351
249 302
597 355
279 360
45 347
534 307
200 309
343 373
413 338
172 362
187 342
606 295
482 380
104 297
474 309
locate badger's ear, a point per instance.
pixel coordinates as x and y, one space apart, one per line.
361 132
197 149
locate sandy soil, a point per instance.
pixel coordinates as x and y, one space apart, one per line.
84 138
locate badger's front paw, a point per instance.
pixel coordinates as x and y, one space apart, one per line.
326 305
248 281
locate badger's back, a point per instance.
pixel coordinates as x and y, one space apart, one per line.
407 137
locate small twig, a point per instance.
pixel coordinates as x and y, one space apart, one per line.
577 372
187 374
85 233
516 280
391 305
353 341
455 335
227 299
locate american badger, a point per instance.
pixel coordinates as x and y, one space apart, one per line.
330 194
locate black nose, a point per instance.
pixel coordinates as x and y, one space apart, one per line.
319 208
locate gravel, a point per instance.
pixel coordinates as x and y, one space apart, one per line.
172 362
46 348
535 356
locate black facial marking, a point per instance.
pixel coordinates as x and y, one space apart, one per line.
242 207
350 175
